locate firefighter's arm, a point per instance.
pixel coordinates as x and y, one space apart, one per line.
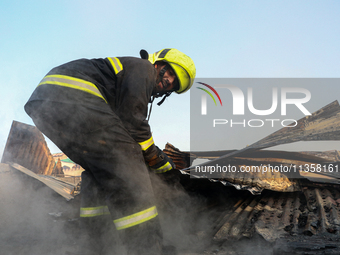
157 160
160 162
136 90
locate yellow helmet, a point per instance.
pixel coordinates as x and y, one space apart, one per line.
182 64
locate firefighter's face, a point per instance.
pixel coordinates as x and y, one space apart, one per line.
169 81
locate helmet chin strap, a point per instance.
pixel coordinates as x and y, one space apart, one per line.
159 94
166 94
159 103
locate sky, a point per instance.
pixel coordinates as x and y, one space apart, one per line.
226 39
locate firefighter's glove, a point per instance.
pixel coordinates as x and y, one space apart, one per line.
161 163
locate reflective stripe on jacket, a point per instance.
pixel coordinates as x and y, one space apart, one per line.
71 82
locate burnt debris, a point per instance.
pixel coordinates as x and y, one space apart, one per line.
272 212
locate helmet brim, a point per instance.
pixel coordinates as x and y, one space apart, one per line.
183 78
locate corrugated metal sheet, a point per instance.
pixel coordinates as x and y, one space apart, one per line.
323 124
62 188
280 215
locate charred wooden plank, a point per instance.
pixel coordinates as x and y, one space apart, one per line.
181 159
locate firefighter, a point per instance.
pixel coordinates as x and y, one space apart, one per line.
95 111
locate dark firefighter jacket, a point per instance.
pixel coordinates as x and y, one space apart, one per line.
125 83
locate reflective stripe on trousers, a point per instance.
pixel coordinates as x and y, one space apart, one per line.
94 211
135 219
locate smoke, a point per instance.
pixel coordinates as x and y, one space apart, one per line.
38 222
182 215
33 219
189 214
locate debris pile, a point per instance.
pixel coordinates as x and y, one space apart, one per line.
288 209
284 212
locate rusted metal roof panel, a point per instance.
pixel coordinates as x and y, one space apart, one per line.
27 147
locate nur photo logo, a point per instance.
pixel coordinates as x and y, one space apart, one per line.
204 97
243 104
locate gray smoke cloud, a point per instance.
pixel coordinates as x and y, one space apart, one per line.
33 219
36 220
176 211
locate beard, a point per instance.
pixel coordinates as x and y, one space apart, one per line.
158 90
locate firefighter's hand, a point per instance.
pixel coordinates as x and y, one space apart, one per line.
161 163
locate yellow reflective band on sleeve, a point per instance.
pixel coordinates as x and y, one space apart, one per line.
166 167
71 82
136 218
146 144
94 211
117 66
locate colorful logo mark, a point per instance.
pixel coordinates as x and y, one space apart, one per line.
213 90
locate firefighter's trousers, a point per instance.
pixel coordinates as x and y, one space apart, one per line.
116 181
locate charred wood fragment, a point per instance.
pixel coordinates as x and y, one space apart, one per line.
181 159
